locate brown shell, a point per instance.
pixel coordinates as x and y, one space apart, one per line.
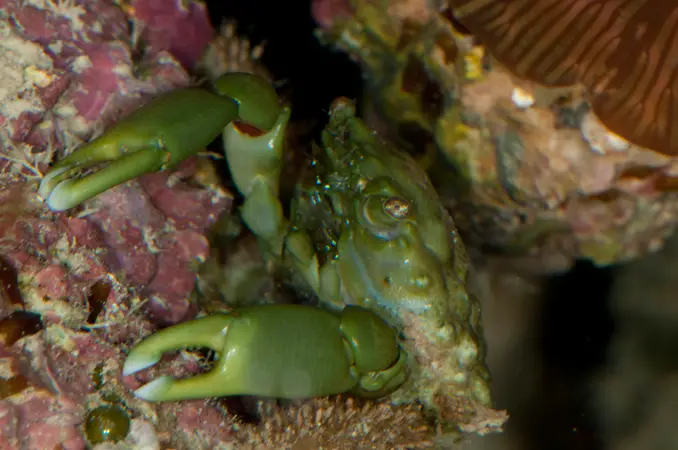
624 51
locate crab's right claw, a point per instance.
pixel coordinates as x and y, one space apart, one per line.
159 135
207 332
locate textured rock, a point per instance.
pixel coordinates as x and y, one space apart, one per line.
528 171
78 288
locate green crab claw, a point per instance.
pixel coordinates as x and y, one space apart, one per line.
208 332
282 351
63 192
158 136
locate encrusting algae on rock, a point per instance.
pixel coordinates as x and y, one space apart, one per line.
550 143
70 69
338 424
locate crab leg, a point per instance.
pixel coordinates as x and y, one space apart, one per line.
255 160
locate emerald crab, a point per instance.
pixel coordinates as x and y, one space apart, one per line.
366 236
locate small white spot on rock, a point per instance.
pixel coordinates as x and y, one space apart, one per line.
617 142
39 77
521 98
600 139
81 63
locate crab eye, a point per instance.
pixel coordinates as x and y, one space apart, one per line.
383 215
397 207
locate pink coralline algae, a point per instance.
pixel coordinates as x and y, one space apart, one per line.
190 32
327 12
70 68
74 69
155 248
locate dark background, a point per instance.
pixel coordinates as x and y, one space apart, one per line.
316 75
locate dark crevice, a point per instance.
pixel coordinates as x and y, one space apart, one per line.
576 328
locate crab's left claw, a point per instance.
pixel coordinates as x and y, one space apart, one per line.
159 135
283 351
207 332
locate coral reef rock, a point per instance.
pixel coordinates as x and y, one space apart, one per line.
518 125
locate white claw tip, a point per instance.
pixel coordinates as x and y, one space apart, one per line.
60 199
136 363
522 98
155 390
46 184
